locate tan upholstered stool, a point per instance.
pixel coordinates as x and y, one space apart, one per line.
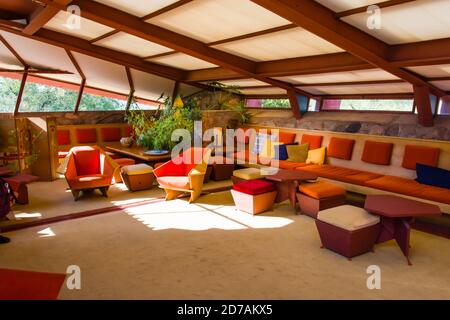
320 195
348 230
246 174
138 177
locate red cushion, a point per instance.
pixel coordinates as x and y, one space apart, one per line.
86 135
420 154
377 152
254 187
111 134
286 137
87 161
125 162
128 131
63 137
340 148
315 142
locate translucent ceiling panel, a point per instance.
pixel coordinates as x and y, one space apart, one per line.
39 54
138 8
343 5
280 45
212 20
347 76
103 75
361 89
186 90
243 83
441 70
87 30
130 44
263 91
183 61
444 85
7 59
410 22
151 87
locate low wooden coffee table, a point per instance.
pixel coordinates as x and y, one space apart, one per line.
396 214
138 153
287 182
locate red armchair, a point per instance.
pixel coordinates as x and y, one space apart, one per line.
89 168
182 174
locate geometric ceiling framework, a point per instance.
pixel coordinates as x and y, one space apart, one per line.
266 47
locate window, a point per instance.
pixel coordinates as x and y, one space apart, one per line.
9 89
402 105
314 105
268 103
40 97
148 105
94 102
444 107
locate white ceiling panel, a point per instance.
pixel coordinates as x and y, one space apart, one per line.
87 30
137 8
443 85
213 20
133 45
149 86
262 91
441 70
347 76
360 89
183 61
186 90
419 20
7 58
243 83
103 75
39 54
280 45
343 5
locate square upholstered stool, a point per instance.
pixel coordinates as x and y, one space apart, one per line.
254 196
122 162
137 177
320 195
348 230
246 174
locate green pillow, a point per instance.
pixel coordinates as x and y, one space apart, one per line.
297 153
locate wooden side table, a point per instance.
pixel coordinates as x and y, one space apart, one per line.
396 214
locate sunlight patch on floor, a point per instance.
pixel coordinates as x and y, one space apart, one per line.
46 233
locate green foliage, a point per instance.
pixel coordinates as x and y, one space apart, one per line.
9 89
275 103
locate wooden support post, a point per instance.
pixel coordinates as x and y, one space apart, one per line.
176 87
295 106
423 105
21 89
80 95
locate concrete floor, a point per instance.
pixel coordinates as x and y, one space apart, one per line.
208 250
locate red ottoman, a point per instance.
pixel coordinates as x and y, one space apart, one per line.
348 230
122 162
320 195
254 196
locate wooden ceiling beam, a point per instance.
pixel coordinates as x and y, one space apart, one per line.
420 53
13 51
38 71
76 64
42 15
321 21
165 9
383 4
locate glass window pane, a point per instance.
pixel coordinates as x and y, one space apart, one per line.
268 103
39 97
9 89
314 105
92 102
444 107
403 105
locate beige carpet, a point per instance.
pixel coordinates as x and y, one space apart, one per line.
208 250
51 199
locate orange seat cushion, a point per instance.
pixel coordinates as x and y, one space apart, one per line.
340 148
420 154
289 165
86 135
286 137
321 189
377 152
177 182
90 181
63 137
360 178
315 142
125 161
111 134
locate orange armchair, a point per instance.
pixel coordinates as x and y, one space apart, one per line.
89 168
182 174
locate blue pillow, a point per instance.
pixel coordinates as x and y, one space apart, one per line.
281 151
433 176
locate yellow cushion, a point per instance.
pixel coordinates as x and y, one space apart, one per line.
248 173
297 153
347 217
137 169
316 156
